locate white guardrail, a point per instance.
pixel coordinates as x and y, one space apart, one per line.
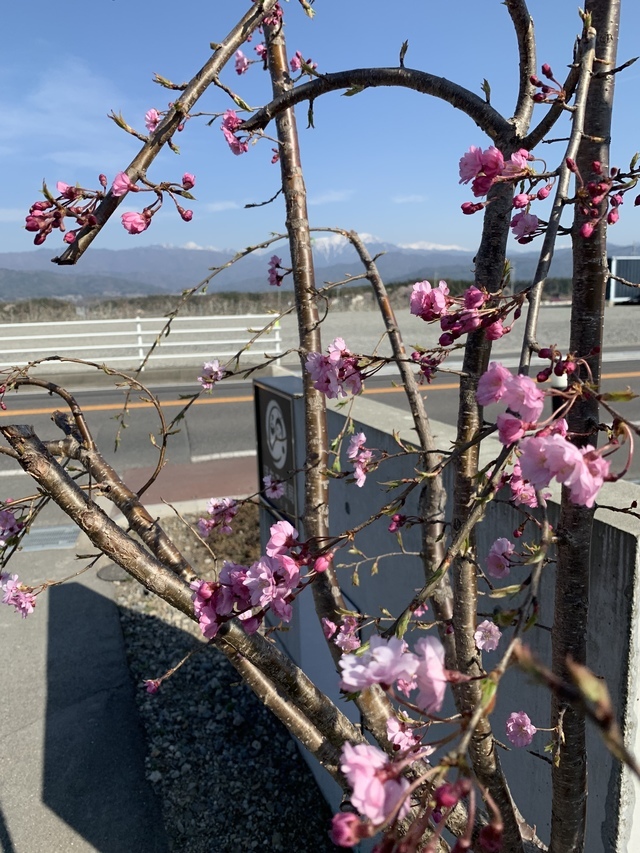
118 341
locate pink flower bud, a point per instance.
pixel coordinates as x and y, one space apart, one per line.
546 70
135 223
587 230
613 216
188 181
637 201
521 200
571 165
152 685
597 167
543 375
102 180
39 239
544 192
69 237
534 80
187 215
539 98
323 562
469 207
39 205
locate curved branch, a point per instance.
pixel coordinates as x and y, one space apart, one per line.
195 89
484 115
523 25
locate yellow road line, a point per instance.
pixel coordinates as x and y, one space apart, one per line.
245 398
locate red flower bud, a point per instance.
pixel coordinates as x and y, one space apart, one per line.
546 70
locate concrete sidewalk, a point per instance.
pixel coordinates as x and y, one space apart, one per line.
72 775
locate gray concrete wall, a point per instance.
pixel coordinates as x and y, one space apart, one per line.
614 644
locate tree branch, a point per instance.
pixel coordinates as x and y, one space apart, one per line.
523 25
169 125
484 115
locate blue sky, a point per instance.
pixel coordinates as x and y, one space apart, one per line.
384 162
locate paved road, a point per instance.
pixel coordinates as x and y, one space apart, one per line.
221 426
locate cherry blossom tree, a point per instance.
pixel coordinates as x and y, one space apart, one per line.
416 791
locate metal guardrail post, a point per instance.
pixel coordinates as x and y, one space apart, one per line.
139 334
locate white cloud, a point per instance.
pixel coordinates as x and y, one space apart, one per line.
65 104
330 197
430 247
408 199
219 206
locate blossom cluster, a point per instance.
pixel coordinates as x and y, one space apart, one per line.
548 453
389 662
221 514
80 204
275 278
246 592
600 198
336 374
361 457
17 595
485 168
345 637
457 315
229 127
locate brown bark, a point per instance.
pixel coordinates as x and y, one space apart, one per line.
328 598
569 636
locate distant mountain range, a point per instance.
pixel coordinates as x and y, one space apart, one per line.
167 269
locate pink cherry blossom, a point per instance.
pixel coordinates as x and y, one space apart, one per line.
17 595
517 163
329 628
492 384
121 184
355 444
152 119
522 490
336 374
524 224
67 191
9 527
241 63
520 729
222 511
474 298
275 279
401 735
383 663
521 200
270 581
211 373
135 223
492 162
523 396
510 429
428 302
376 793
283 537
430 675
487 636
188 181
152 685
470 164
347 640
261 50
273 488
498 562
